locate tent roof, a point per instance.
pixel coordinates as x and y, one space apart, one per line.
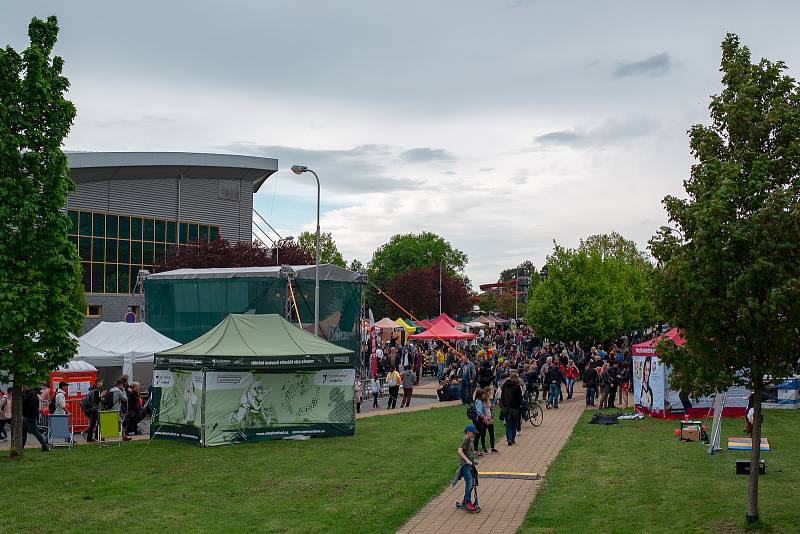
442 330
647 348
404 324
256 336
387 323
77 366
483 319
327 271
124 338
447 319
422 323
87 351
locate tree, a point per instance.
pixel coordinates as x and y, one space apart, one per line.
404 252
598 290
355 265
328 253
40 274
507 304
488 301
221 253
526 267
730 278
417 290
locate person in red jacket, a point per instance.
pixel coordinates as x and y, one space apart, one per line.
571 374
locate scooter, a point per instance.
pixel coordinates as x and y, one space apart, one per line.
461 505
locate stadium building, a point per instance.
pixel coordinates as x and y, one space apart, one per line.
130 209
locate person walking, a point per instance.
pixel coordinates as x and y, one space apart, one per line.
30 415
511 401
488 421
605 386
375 389
613 372
5 413
409 379
467 378
60 399
554 379
93 411
393 382
624 381
571 375
480 420
590 379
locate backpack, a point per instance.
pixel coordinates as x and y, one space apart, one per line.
86 404
107 402
472 413
51 406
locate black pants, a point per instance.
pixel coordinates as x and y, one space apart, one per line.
393 393
481 435
90 432
3 428
612 396
487 429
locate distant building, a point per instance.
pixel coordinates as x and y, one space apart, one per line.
132 208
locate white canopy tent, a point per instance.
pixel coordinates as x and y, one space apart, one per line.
123 345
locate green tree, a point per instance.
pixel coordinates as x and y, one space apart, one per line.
526 267
40 274
404 252
599 289
328 253
355 265
730 276
488 302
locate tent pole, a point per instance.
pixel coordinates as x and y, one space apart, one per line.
203 415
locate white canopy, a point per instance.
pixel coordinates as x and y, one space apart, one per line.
77 365
123 344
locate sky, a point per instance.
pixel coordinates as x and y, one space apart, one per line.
499 125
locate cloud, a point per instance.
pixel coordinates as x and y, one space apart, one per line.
520 3
360 169
656 65
611 132
425 155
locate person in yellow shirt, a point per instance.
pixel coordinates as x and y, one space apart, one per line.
440 361
393 382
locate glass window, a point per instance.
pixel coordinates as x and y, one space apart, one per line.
214 233
85 224
171 232
98 277
85 248
98 249
94 310
123 279
161 250
149 231
124 250
134 276
148 253
124 226
86 268
99 225
111 226
203 232
136 252
161 231
171 249
136 228
73 220
74 240
184 233
111 278
192 233
111 251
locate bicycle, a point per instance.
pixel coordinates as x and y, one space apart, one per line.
533 411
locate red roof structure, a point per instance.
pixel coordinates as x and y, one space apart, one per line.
442 330
648 348
447 320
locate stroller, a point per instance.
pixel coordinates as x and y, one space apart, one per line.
461 505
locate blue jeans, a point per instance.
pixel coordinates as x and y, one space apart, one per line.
466 392
512 420
591 391
552 399
29 425
570 385
466 472
441 370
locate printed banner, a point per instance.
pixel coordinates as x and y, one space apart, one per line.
648 384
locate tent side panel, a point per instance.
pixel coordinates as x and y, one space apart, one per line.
177 396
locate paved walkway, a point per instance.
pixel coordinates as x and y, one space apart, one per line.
504 502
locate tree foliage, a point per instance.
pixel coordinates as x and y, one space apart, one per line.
599 289
418 291
731 279
488 301
405 252
221 253
526 267
40 274
328 253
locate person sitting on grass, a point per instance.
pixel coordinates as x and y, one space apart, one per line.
466 457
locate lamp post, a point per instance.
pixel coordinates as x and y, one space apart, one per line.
669 230
300 169
278 249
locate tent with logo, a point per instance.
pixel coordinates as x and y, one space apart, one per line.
653 395
409 330
253 378
122 348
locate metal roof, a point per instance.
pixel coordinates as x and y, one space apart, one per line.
100 166
327 271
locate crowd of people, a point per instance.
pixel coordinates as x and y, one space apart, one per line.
37 403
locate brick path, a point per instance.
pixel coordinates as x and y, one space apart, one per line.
504 502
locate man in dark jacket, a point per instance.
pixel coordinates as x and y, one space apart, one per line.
95 392
613 373
485 375
30 415
511 399
590 378
554 378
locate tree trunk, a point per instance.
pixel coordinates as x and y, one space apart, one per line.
755 455
16 422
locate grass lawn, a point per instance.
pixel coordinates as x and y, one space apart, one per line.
637 477
372 482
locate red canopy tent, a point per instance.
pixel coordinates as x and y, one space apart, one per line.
648 348
422 323
442 330
449 321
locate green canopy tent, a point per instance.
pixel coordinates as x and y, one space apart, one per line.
252 378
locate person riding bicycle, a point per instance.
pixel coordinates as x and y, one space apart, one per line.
532 381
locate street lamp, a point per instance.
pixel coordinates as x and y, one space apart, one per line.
300 169
278 248
669 230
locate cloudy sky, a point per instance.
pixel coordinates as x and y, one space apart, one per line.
500 125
